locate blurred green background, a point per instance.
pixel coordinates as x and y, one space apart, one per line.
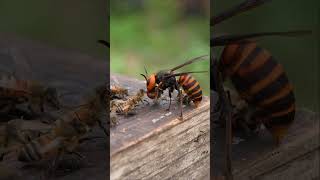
71 24
159 34
299 55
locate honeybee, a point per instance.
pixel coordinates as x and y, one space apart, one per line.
118 92
127 106
14 92
158 82
259 79
68 130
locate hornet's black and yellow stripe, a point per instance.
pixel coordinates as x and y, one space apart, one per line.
191 87
262 82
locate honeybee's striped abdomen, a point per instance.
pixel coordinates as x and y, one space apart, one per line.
39 148
191 87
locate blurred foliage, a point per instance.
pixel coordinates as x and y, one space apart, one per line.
299 55
75 24
158 35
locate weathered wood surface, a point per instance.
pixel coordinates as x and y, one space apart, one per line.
154 144
303 139
258 157
68 71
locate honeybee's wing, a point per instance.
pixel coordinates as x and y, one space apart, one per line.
228 39
188 62
242 7
104 43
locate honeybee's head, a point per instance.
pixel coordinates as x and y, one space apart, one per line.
51 97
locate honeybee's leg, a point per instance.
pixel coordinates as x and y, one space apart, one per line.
53 166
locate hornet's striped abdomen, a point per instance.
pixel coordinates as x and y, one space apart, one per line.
262 82
191 87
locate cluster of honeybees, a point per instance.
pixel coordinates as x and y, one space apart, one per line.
37 127
121 103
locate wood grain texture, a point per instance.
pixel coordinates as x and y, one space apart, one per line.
258 157
302 139
68 71
152 145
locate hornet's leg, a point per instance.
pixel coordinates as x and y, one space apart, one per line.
169 100
180 97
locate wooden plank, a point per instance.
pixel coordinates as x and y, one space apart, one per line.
303 139
255 156
68 71
152 145
302 168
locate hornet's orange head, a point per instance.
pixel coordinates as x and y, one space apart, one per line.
151 84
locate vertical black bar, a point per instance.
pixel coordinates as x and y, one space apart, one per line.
108 88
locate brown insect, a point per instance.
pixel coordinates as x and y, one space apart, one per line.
127 106
259 79
68 130
157 83
14 92
118 92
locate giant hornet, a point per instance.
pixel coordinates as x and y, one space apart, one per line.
158 82
259 79
14 92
